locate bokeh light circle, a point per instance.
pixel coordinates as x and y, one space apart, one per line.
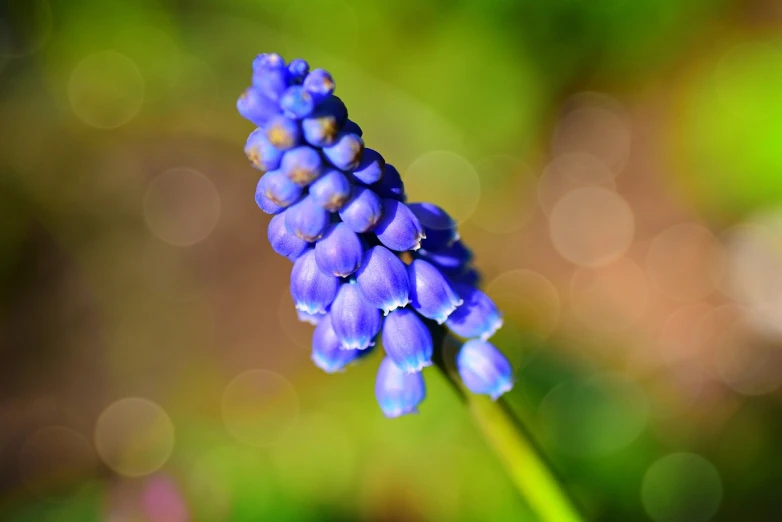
681 487
445 179
55 462
531 308
508 189
596 131
686 262
595 416
609 298
568 172
182 206
591 226
260 408
106 90
134 436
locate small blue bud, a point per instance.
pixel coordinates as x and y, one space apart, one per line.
268 61
298 70
370 168
265 204
272 82
336 107
282 132
306 220
469 277
484 369
339 251
302 165
282 241
452 259
362 211
331 190
352 127
390 185
407 340
262 154
320 129
327 353
313 319
256 107
280 189
345 152
296 103
355 321
319 84
431 294
399 229
382 278
477 317
440 228
398 393
311 289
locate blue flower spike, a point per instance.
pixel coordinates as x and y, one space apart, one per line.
483 369
399 229
355 321
362 211
331 190
407 340
383 280
306 220
327 352
398 393
431 294
366 264
311 289
339 251
282 241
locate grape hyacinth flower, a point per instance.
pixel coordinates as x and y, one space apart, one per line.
367 265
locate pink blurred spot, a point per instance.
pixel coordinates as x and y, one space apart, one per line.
163 502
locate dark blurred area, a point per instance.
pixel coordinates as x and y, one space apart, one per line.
616 165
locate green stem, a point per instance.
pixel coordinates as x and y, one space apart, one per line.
523 460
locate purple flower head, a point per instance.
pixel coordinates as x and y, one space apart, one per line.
282 132
256 107
327 353
397 392
306 220
399 229
282 241
319 84
439 227
311 289
262 154
262 200
362 211
331 190
339 251
370 168
484 369
431 294
297 70
281 190
296 103
452 259
345 152
390 185
407 340
355 321
476 317
302 165
383 279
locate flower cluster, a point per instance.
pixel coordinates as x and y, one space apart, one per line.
366 262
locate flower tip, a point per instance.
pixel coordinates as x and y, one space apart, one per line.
502 389
496 325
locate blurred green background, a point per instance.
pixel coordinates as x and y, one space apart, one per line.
615 164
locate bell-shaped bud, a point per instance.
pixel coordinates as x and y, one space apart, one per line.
280 189
407 340
302 165
398 393
319 84
262 154
282 132
382 278
266 61
340 251
362 211
296 103
311 289
282 241
345 152
306 220
484 369
327 354
331 190
399 229
452 259
390 185
352 127
256 107
439 227
370 168
262 200
468 277
297 70
313 319
476 317
272 81
431 294
355 321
